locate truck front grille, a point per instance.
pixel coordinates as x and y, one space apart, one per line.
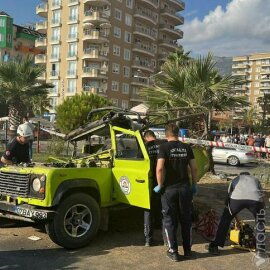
14 184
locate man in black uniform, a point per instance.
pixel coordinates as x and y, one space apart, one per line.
174 160
18 149
152 217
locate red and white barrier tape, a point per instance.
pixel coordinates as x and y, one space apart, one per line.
223 145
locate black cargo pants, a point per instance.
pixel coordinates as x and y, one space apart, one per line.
176 204
235 206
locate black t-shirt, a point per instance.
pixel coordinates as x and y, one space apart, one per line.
152 148
17 152
177 156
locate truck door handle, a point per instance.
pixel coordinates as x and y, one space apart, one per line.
140 180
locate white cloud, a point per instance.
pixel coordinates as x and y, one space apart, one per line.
242 28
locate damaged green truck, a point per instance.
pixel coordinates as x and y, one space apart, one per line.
69 196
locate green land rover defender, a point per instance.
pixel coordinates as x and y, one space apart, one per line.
112 167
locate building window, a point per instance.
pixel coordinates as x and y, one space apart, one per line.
125 88
55 51
258 69
117 32
2 22
55 34
56 17
53 102
73 31
129 3
125 104
116 50
115 68
55 89
257 84
127 37
127 54
55 70
9 38
72 65
118 14
72 49
115 86
126 72
71 86
73 13
128 20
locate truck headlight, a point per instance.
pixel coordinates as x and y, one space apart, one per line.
36 184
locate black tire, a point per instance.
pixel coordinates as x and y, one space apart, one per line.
76 221
233 161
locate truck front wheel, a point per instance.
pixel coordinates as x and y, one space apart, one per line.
76 221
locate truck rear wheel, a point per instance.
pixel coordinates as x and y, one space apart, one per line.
76 221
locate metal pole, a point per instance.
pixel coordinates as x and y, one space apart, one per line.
6 133
38 146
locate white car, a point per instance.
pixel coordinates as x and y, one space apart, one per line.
233 157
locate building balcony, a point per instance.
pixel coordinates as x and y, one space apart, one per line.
104 2
145 33
265 87
140 81
42 10
96 36
169 44
95 90
265 78
171 14
41 43
144 49
177 33
54 75
142 65
240 66
179 4
96 17
146 16
149 3
265 64
90 72
135 97
73 2
265 71
40 59
42 27
241 73
95 54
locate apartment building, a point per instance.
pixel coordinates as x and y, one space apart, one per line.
256 69
107 47
16 41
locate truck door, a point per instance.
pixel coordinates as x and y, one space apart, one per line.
131 168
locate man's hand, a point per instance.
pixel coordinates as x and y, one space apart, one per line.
157 189
194 189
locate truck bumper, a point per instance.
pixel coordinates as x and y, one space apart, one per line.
25 212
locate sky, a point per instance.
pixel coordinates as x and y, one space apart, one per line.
223 27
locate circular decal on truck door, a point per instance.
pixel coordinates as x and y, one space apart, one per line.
125 185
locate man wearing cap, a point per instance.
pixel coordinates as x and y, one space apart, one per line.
18 149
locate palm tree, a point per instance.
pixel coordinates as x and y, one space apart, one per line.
18 83
195 84
249 117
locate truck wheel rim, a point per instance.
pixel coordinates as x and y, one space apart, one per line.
78 220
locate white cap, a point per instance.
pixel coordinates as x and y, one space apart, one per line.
24 130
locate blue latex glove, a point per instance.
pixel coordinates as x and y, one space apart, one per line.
157 188
194 189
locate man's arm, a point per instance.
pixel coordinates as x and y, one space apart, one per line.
193 170
6 161
160 171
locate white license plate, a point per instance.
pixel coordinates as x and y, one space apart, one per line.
31 213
